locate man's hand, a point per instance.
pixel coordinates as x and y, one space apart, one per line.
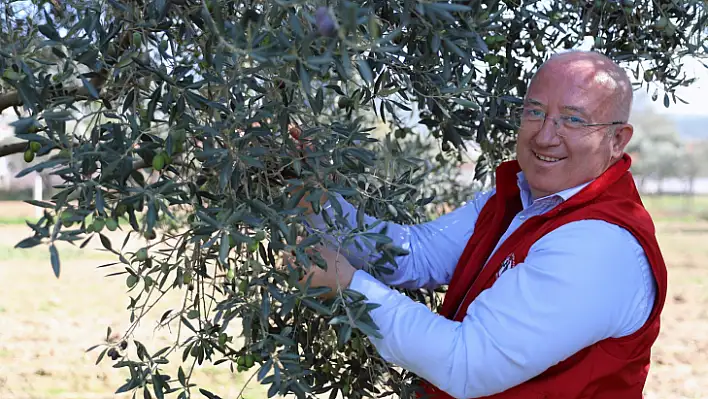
339 271
338 275
303 144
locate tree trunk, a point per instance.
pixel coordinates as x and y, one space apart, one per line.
688 203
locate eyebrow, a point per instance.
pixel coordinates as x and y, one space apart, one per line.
577 109
534 102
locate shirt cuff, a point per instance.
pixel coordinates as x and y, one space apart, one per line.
374 290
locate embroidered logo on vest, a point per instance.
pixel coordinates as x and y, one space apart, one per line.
507 264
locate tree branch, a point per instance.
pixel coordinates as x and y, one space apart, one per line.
10 100
13 99
14 148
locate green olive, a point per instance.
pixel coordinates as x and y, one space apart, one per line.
243 286
111 224
260 235
142 254
29 155
66 218
98 225
662 23
158 162
131 281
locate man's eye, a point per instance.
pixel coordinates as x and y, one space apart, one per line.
574 120
534 113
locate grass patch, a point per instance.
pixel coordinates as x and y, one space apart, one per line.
59 318
41 253
677 208
48 307
11 220
56 391
676 203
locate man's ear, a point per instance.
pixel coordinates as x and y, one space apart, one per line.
620 139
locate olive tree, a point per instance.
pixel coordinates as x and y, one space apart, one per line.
198 127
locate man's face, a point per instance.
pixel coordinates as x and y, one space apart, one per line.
554 148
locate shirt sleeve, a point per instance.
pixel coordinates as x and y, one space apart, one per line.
433 247
584 282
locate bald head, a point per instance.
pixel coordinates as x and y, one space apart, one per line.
587 97
598 72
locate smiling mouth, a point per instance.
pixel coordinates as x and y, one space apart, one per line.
547 159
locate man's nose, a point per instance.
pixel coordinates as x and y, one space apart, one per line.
548 136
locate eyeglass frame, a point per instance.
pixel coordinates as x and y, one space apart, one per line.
556 122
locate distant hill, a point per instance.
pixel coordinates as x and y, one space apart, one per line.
692 127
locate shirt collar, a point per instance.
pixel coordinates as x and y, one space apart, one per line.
527 199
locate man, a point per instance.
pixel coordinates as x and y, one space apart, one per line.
556 281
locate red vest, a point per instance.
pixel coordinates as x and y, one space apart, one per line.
610 369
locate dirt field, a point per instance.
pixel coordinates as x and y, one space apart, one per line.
47 324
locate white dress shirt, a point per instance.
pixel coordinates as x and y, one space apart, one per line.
583 282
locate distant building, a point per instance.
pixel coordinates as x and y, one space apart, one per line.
11 165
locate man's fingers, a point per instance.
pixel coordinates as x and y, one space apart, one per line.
291 265
296 133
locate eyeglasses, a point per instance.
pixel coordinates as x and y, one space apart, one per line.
573 125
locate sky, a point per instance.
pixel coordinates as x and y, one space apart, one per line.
695 94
